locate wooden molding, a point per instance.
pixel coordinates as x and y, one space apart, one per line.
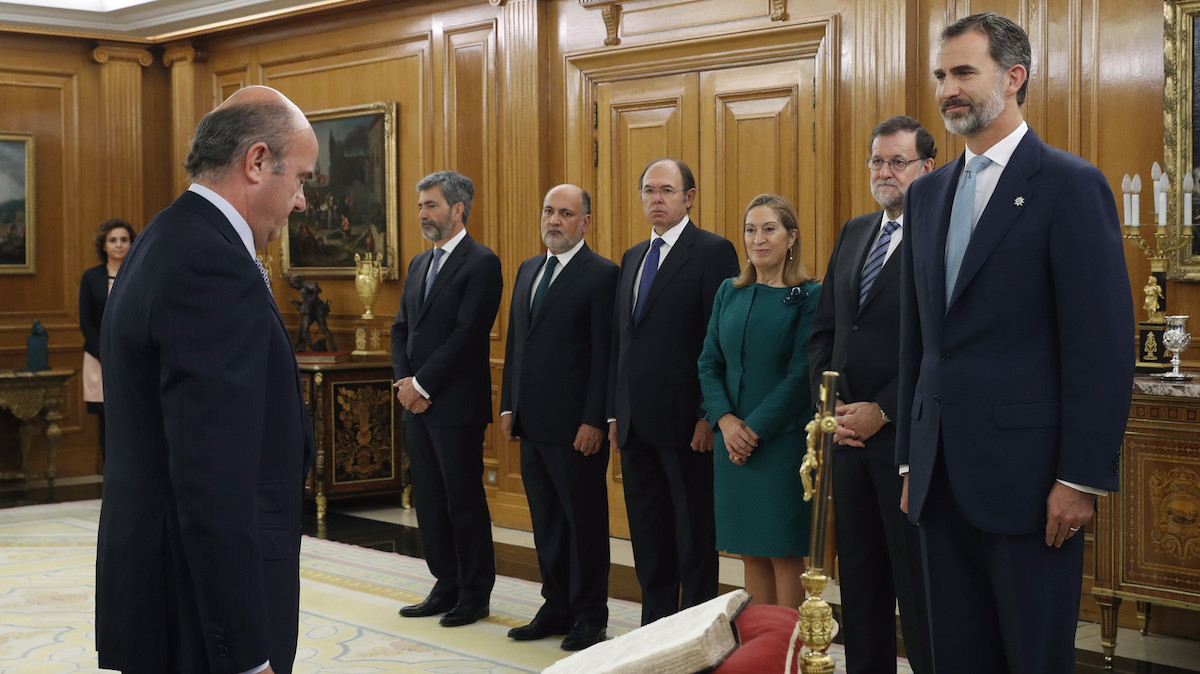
184 52
610 11
112 52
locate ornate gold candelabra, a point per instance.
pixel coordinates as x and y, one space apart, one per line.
1167 241
816 625
368 276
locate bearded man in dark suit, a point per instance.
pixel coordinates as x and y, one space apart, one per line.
440 349
664 300
197 561
1016 365
556 365
856 332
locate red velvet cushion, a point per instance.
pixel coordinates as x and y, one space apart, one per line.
765 631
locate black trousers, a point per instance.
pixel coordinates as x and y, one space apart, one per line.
452 511
568 503
672 526
997 603
880 563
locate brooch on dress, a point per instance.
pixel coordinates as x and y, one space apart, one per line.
795 296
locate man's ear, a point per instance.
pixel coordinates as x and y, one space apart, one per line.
258 158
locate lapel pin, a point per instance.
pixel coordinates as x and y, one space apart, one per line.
1019 201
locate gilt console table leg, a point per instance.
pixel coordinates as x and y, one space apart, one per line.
26 431
53 435
1109 608
1143 615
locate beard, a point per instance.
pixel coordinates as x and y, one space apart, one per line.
435 231
558 244
978 115
889 201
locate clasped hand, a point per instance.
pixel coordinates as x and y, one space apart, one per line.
856 423
740 439
410 398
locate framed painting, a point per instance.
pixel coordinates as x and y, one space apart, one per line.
18 226
351 199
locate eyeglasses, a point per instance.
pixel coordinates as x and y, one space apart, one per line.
875 163
666 192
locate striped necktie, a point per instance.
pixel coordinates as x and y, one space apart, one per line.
875 260
433 270
262 271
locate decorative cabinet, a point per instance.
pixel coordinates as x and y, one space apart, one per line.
357 426
1148 534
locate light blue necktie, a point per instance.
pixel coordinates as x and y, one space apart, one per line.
649 271
961 215
433 270
875 260
543 286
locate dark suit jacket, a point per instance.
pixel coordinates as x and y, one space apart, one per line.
1026 377
556 366
443 340
93 295
655 382
209 441
861 343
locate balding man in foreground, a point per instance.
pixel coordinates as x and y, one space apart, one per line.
197 565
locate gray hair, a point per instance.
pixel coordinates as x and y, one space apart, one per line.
1008 45
224 136
456 189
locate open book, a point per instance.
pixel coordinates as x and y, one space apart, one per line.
693 640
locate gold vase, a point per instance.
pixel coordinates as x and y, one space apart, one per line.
367 277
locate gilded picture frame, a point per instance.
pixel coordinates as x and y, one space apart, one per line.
351 200
18 222
1181 138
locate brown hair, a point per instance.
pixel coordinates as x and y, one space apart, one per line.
102 235
794 273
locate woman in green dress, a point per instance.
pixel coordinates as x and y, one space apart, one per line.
754 376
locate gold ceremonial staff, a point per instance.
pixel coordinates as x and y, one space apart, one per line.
816 625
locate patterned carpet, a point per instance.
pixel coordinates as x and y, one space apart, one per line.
348 603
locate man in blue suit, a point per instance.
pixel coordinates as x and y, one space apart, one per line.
1016 365
197 561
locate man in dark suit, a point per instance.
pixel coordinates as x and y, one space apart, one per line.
1016 365
440 350
197 561
553 398
856 331
664 300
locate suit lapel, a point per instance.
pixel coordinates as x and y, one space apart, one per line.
677 256
560 285
627 282
942 198
450 265
859 242
523 294
1003 209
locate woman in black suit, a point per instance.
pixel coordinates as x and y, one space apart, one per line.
112 240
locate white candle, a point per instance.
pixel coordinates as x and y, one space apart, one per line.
1164 185
1126 188
1188 185
1136 207
1155 174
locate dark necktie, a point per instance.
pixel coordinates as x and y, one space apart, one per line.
962 213
433 270
875 260
649 271
543 286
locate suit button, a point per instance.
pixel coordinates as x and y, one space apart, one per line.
945 356
937 399
416 332
854 328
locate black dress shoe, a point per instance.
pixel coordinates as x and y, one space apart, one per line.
539 628
430 606
464 614
583 635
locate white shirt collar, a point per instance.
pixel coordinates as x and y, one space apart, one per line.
670 236
1002 152
239 223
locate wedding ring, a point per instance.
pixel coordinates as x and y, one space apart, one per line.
1073 528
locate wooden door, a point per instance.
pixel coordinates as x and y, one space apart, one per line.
743 130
